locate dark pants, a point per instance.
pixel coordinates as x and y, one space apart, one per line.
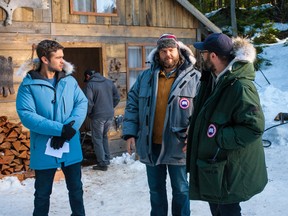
43 189
99 129
157 184
233 209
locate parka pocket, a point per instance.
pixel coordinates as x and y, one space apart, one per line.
211 179
144 103
180 133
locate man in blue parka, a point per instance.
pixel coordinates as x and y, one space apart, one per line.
52 106
156 119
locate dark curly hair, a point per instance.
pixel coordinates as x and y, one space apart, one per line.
46 47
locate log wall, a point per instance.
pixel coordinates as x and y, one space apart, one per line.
137 21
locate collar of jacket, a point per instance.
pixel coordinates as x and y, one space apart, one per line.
169 74
97 77
35 74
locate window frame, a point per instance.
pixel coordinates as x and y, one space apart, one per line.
72 11
143 60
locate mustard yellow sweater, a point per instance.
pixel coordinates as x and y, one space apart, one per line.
164 86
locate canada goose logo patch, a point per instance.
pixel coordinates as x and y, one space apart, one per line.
184 103
211 130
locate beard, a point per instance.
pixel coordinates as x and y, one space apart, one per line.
52 69
168 63
207 65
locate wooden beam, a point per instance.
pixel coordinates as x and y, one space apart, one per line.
56 12
200 16
64 29
160 13
64 5
27 28
47 17
129 12
142 13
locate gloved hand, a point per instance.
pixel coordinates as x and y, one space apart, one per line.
68 131
57 142
6 76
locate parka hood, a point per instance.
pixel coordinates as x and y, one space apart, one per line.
243 50
242 64
34 64
97 77
184 50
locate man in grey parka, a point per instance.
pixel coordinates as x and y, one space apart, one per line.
156 119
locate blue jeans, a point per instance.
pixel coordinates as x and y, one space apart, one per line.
99 129
43 189
158 195
233 209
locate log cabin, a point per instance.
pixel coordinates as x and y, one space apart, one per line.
111 36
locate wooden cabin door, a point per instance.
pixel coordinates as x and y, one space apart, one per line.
82 59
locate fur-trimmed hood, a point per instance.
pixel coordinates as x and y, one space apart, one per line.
185 51
34 64
243 50
244 53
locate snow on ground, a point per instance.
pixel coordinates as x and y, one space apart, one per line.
123 189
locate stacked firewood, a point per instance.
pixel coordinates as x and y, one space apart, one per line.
14 148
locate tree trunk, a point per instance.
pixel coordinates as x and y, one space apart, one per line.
233 19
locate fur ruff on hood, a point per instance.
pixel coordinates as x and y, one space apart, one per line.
185 51
243 50
34 64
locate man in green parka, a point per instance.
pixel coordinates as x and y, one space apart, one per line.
225 155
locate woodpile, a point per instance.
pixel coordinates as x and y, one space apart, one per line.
14 150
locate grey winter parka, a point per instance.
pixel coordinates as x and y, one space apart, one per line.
102 97
140 109
225 156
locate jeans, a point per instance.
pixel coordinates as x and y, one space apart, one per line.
157 184
43 189
99 129
233 209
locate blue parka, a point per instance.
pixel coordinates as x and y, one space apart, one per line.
44 110
141 105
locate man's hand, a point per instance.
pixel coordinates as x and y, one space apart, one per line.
68 131
184 149
57 142
130 145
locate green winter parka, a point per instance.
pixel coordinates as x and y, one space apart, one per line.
225 155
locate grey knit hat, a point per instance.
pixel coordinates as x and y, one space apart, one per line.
167 40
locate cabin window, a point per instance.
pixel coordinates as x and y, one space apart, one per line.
137 62
93 7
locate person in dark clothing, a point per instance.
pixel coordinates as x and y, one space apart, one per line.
225 155
102 97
